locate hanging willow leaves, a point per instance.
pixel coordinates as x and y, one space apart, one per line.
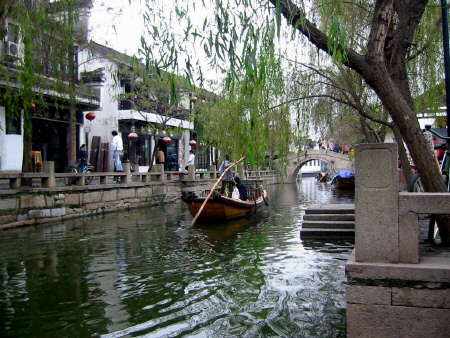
241 121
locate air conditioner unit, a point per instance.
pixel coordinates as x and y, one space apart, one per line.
12 49
11 45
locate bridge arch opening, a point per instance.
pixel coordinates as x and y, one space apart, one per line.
312 166
336 162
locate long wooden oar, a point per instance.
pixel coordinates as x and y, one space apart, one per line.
212 191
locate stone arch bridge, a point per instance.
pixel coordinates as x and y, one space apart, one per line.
336 161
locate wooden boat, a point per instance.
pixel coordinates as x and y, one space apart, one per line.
220 207
344 179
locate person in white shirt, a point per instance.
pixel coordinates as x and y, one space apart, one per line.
117 148
191 159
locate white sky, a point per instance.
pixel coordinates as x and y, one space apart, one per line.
117 24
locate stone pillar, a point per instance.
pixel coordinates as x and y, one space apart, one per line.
127 170
376 203
191 172
126 167
15 183
49 168
213 171
159 168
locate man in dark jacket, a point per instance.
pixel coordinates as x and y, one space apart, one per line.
242 189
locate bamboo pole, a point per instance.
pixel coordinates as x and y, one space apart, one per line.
212 190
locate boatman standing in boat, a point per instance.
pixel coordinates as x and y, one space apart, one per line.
227 179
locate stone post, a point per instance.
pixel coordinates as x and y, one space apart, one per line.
159 168
191 172
49 168
15 182
126 167
127 170
376 203
213 172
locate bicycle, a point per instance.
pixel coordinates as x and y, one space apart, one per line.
88 168
444 167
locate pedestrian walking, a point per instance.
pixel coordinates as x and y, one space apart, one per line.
191 159
117 148
82 158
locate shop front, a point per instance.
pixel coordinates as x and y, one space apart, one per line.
51 137
139 143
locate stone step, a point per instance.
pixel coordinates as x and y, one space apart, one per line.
328 224
330 209
329 217
320 232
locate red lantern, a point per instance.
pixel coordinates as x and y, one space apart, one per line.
133 136
90 116
33 106
166 139
192 143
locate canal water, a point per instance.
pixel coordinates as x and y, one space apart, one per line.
148 273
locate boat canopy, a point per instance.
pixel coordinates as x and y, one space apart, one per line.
345 174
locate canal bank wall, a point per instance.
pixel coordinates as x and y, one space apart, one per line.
26 206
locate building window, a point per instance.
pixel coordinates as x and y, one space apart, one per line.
13 124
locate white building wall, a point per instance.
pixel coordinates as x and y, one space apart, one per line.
11 147
106 119
108 115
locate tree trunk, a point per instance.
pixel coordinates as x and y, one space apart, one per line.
406 121
369 134
155 149
72 132
406 167
27 142
393 26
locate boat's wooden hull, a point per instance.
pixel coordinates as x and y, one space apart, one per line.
223 208
344 183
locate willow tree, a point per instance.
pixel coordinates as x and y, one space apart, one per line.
329 95
245 119
390 43
339 104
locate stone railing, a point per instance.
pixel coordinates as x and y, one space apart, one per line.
393 290
260 173
37 198
15 181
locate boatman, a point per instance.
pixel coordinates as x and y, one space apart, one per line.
227 179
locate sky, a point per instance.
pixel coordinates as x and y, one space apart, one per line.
117 24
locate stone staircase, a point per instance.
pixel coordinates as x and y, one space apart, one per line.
329 220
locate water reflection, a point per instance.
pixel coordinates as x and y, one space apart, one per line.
146 272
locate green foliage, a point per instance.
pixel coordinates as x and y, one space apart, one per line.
243 121
233 40
47 40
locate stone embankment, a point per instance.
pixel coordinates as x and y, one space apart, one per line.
51 199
